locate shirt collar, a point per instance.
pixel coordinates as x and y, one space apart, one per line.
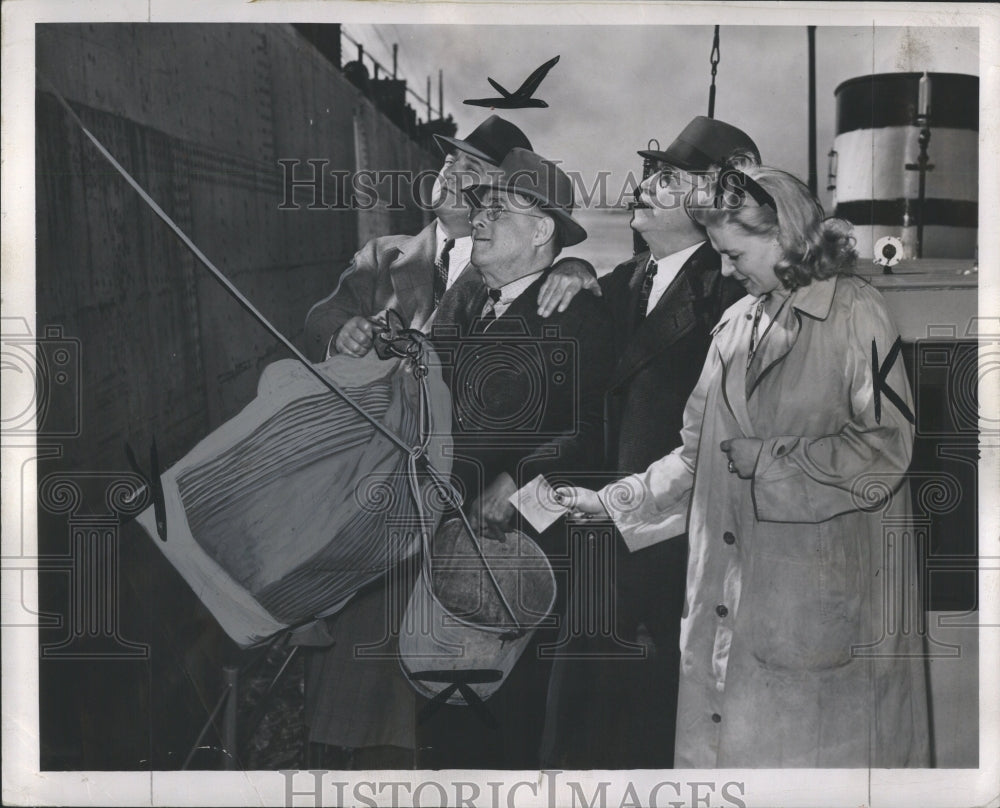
677 258
511 291
441 237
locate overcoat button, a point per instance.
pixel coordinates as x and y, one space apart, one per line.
716 717
722 611
728 538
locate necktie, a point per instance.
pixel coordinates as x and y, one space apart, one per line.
647 287
441 271
489 308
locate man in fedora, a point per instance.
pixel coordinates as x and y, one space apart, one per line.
411 274
361 712
664 302
521 219
527 400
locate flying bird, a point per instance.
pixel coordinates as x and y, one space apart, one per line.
521 97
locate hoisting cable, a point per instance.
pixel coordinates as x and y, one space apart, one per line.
409 344
450 495
714 60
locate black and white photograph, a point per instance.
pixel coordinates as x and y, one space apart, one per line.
491 404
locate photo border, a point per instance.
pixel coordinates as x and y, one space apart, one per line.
22 781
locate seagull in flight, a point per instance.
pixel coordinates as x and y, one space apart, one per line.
521 97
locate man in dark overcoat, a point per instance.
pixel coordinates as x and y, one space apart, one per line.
665 302
360 710
527 397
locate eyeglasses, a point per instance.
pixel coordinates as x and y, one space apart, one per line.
494 212
666 176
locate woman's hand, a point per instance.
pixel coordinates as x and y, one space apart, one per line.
580 501
742 454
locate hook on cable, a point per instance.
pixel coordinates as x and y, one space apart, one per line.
714 61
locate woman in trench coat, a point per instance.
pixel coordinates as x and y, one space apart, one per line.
799 642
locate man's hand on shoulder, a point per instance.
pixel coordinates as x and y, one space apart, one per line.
355 337
566 279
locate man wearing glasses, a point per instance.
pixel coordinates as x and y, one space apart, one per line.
548 403
527 397
362 712
410 274
665 303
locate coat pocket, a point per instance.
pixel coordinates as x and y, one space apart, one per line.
802 607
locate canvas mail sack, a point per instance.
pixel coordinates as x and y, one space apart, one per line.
287 510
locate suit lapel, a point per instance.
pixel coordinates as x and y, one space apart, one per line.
412 274
463 301
671 317
634 288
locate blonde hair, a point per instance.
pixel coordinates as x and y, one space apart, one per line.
813 247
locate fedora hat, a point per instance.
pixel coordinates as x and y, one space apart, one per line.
490 141
705 142
532 176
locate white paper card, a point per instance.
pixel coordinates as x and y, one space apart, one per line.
537 503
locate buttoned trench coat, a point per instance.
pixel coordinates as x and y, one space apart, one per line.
799 641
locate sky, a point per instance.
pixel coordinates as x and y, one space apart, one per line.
615 87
